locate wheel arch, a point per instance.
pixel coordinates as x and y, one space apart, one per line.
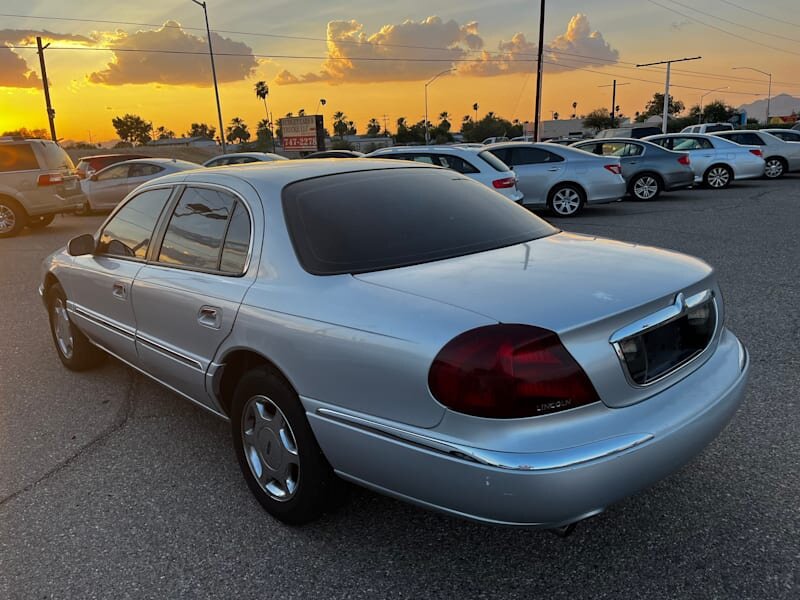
14 197
581 189
236 362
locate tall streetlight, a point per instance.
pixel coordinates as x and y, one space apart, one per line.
665 117
700 114
427 124
214 74
769 91
613 99
537 109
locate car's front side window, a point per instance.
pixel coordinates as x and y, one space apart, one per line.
196 234
144 170
130 230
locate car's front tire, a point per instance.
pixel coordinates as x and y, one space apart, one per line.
566 200
645 186
12 217
718 177
74 349
277 452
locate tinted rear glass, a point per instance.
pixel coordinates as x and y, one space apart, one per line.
17 157
374 220
496 163
56 157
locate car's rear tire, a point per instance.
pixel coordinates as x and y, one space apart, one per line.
12 217
566 200
645 186
774 167
40 222
718 177
74 349
280 459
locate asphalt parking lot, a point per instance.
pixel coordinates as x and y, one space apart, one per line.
111 487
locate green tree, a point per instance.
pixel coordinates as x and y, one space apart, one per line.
132 129
340 124
373 128
351 128
713 112
237 131
201 130
162 133
489 126
598 119
655 107
30 134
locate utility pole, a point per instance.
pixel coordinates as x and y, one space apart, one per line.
769 90
51 113
613 98
214 75
665 116
539 70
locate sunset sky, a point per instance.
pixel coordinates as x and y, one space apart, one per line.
371 59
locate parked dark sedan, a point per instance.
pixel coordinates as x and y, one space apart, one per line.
648 169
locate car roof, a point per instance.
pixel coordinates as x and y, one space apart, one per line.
405 149
279 174
234 154
182 164
96 156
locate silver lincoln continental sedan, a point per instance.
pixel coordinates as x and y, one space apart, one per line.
405 328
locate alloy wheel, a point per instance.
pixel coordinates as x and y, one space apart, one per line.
62 329
270 448
8 219
645 187
566 202
773 169
718 177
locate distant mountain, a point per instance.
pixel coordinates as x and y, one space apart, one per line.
781 105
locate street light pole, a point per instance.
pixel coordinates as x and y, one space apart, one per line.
665 116
539 71
613 99
427 124
214 75
769 89
700 114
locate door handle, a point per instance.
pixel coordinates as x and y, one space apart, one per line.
210 316
554 169
119 290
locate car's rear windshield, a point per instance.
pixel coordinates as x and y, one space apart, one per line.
496 163
55 157
383 219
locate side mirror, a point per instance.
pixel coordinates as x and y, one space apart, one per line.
81 245
93 177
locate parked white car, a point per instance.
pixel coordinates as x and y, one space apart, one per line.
787 135
707 128
716 161
562 179
780 157
477 163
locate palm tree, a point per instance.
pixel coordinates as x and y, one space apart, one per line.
237 130
262 91
339 124
373 127
444 121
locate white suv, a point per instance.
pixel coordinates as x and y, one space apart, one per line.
707 128
477 163
37 181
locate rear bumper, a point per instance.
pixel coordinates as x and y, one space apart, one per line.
546 488
600 193
676 181
748 169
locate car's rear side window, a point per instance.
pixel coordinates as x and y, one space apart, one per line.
17 157
456 163
55 156
130 230
496 163
382 219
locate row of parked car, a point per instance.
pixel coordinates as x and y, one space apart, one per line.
38 179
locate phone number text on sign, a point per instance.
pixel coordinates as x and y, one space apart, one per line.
306 142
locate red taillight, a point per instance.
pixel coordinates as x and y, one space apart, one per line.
615 169
506 182
757 152
684 160
508 371
50 179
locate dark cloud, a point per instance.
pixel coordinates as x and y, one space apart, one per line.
14 71
173 69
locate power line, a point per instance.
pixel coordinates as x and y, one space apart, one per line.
734 23
721 30
782 21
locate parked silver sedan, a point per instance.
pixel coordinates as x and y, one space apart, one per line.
716 162
648 169
561 178
780 157
787 135
242 158
107 187
460 353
